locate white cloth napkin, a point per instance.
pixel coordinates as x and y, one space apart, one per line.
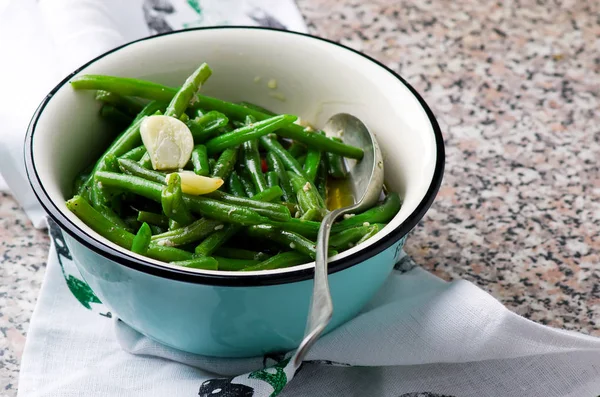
418 337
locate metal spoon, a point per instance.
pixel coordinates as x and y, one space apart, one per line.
366 181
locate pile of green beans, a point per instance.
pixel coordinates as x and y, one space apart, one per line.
279 180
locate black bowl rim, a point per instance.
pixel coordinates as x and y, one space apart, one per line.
186 275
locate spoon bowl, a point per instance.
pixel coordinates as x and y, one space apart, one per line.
366 181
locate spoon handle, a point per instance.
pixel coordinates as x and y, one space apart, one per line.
321 306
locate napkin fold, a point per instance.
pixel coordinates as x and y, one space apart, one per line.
418 335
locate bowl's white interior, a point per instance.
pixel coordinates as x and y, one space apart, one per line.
315 80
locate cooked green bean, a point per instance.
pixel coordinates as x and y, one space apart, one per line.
133 168
284 259
311 164
321 179
275 164
172 202
232 264
205 262
153 219
130 105
134 154
191 233
200 160
246 181
248 132
308 198
216 239
253 165
286 238
141 241
272 179
259 203
350 237
234 185
186 93
337 168
145 161
225 163
239 253
207 125
382 213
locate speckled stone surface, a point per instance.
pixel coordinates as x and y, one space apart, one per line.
516 89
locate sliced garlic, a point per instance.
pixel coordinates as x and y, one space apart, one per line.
196 184
168 141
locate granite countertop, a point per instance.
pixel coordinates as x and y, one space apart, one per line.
515 86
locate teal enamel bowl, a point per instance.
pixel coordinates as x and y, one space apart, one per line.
233 314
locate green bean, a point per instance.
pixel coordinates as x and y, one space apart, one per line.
186 93
207 125
184 118
212 164
311 165
308 197
321 179
204 206
285 238
79 181
372 231
382 213
284 259
337 168
134 154
248 132
225 163
272 179
246 182
271 144
259 203
238 253
141 241
191 233
146 89
275 164
308 229
200 160
124 86
129 105
115 116
311 215
296 149
132 168
216 239
101 225
253 164
230 264
205 262
99 194
349 237
257 108
153 219
129 139
234 185
172 201
146 161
